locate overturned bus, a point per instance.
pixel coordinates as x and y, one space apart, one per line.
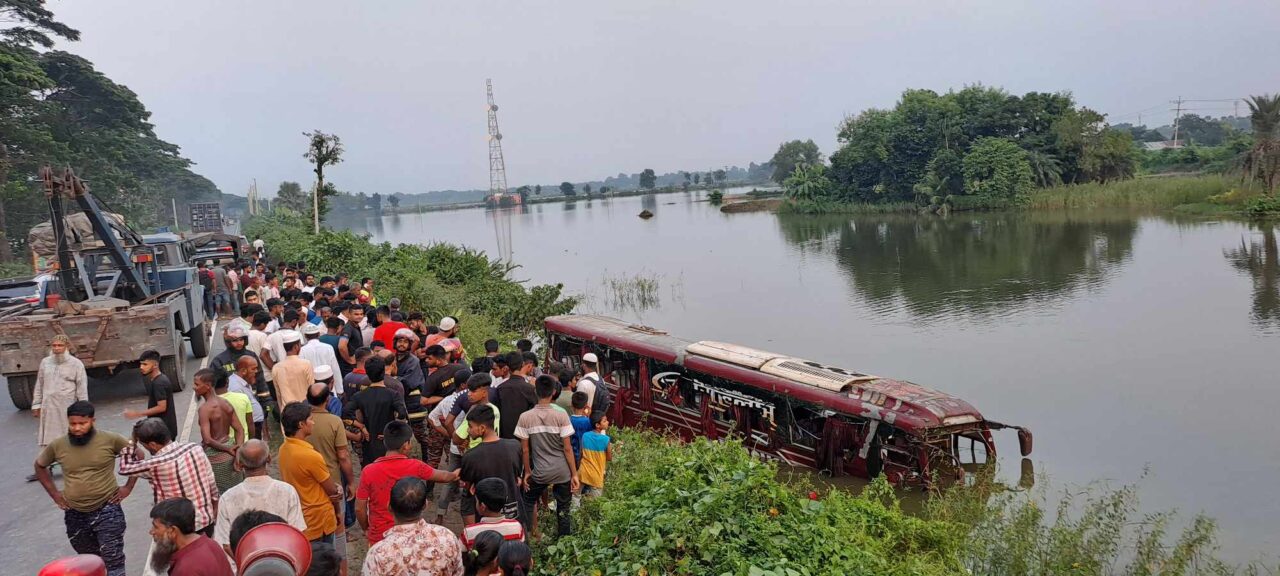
802 413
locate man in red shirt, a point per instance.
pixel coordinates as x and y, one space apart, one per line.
178 547
389 322
373 496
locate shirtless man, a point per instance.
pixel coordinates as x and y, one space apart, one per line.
217 419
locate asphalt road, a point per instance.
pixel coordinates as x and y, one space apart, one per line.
32 530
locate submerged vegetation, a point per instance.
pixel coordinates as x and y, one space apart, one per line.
711 508
439 279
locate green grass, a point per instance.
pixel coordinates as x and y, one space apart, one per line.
1226 192
711 508
833 207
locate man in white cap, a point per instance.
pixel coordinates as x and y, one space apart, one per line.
324 375
60 382
320 354
292 375
447 338
592 384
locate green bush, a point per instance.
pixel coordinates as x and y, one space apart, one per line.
1263 206
14 269
715 197
997 170
712 508
438 280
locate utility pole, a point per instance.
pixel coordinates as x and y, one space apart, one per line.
1177 113
175 214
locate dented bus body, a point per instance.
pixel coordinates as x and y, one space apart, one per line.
834 420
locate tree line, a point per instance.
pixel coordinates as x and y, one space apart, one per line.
983 147
56 108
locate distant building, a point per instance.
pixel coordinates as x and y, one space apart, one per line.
1162 145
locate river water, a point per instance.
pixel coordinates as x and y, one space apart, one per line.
1127 342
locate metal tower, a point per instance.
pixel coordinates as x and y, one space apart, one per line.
497 168
498 181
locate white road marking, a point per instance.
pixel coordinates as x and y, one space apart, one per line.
182 436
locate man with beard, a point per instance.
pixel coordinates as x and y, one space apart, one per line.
90 497
60 383
237 340
217 420
179 549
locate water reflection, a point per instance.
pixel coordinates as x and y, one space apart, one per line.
970 265
1259 258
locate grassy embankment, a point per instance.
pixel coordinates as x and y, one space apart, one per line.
710 508
1192 194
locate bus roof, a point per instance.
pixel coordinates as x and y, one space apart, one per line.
906 405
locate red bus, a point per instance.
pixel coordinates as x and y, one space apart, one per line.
803 413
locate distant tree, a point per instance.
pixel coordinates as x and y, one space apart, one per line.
697 178
648 179
523 191
1196 129
604 190
537 190
323 150
997 169
1262 161
586 189
394 201
1110 156
290 196
687 178
719 175
567 189
684 185
375 202
790 154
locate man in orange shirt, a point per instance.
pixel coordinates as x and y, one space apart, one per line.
302 466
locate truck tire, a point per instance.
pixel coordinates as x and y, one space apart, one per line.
170 367
199 340
22 389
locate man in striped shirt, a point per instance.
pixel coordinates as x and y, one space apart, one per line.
491 497
175 470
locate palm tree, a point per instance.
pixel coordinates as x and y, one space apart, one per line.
1262 161
1045 168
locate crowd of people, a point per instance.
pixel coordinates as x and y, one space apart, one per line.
379 418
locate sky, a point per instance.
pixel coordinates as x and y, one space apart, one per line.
588 89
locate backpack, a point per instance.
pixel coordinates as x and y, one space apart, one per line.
601 400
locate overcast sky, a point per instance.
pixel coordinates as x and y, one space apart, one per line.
592 88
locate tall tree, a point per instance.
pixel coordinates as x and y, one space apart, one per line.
1262 161
586 189
648 179
997 169
394 201
31 24
791 154
567 189
523 191
537 190
323 150
697 177
290 196
720 175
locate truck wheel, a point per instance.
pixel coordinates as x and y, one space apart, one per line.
21 390
169 367
199 340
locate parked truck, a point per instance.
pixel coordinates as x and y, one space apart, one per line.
112 293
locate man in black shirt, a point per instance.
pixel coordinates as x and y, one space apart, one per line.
160 402
440 383
371 409
350 338
515 396
493 458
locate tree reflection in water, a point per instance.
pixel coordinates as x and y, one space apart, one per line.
976 265
1260 260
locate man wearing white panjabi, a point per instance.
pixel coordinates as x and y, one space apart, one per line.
60 383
